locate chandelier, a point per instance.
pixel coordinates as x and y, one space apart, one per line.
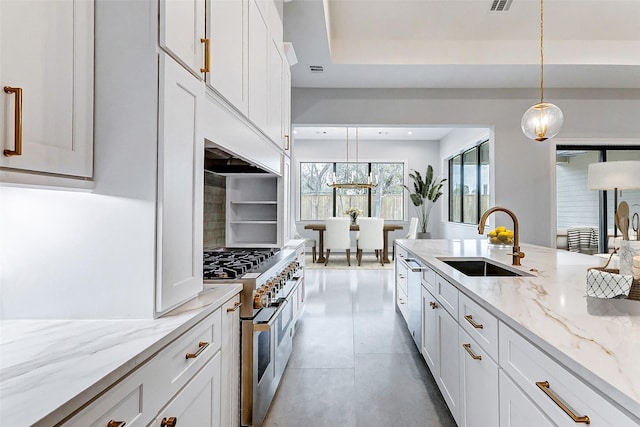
543 120
351 182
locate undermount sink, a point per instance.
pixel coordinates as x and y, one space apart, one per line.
484 267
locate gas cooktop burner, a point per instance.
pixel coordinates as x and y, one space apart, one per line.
231 264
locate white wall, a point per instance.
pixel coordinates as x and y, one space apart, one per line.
68 254
522 169
414 154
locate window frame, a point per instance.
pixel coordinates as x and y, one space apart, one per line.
478 181
369 191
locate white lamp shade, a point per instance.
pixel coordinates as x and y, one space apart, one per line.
623 175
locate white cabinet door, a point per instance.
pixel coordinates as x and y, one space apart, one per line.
230 363
516 410
258 67
182 30
46 51
228 30
429 337
198 404
286 110
448 372
478 385
274 106
180 186
286 197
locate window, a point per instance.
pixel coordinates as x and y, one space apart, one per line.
319 201
469 184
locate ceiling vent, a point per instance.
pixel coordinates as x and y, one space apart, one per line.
316 68
500 5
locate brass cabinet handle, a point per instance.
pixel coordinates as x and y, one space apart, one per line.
113 423
169 422
207 64
544 386
433 304
471 353
469 319
202 345
288 142
236 306
17 132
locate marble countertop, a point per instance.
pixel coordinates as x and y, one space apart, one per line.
596 339
49 368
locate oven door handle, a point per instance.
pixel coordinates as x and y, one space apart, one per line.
262 327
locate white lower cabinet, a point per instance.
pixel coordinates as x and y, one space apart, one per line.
194 380
478 384
440 349
516 409
198 404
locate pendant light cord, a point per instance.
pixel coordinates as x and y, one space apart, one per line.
541 54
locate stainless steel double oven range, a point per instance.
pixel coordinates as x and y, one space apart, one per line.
272 294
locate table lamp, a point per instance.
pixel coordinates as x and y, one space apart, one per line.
622 175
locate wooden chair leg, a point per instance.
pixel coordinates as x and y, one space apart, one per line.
393 253
359 256
349 257
326 259
313 252
381 257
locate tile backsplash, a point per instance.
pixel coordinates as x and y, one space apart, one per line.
215 188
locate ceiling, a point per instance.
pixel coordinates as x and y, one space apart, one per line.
371 133
462 44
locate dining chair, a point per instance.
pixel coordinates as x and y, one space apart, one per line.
308 243
370 237
336 236
413 232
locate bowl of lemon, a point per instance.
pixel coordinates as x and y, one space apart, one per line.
500 237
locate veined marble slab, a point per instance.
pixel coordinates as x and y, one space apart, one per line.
49 368
596 339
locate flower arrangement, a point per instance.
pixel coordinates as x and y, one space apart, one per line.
353 213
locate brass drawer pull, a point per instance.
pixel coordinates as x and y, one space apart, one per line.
433 304
169 422
207 63
544 386
17 132
469 319
288 142
202 345
471 353
236 306
113 423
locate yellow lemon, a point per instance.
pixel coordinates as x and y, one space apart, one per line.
493 233
494 240
509 241
503 235
501 229
510 233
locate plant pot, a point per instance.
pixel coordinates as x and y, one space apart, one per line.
426 235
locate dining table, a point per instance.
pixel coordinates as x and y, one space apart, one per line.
321 227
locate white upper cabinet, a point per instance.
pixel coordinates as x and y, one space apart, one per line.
182 32
259 44
180 186
46 70
227 28
276 93
286 110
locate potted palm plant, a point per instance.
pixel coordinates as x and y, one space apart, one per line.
424 195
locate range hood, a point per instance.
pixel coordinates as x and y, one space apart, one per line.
223 162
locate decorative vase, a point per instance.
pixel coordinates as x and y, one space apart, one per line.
426 235
354 219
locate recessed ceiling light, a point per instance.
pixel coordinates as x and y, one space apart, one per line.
410 133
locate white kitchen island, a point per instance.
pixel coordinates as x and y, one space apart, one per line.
77 372
586 350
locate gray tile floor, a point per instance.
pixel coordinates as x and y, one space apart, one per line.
354 362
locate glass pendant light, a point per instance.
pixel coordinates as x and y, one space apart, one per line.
542 121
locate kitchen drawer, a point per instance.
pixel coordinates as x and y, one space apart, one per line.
402 300
527 365
516 409
479 324
129 401
174 368
429 279
447 295
401 252
401 281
